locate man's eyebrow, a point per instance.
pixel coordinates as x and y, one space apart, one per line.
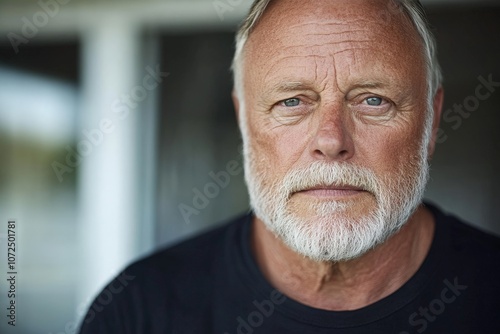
289 86
371 84
294 86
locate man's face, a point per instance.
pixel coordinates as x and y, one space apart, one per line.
334 107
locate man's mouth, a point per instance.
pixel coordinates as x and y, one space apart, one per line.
334 191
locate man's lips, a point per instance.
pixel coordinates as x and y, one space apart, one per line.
332 191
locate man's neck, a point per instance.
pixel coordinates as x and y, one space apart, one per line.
347 285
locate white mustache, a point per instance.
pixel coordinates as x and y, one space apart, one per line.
323 174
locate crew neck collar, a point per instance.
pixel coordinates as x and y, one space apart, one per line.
251 275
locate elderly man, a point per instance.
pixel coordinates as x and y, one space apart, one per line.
338 103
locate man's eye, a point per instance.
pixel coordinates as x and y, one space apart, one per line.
374 101
291 102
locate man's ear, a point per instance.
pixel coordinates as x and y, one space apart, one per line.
236 103
437 109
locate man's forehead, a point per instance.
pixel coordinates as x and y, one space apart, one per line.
350 63
360 19
329 35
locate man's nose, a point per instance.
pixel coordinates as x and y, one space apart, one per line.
333 138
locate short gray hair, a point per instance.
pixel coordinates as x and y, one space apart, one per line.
411 8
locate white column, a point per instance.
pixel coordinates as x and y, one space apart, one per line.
108 187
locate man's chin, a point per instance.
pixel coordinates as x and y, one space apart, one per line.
338 209
336 238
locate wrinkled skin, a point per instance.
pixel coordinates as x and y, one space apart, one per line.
327 80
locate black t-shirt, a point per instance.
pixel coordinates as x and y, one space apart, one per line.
212 284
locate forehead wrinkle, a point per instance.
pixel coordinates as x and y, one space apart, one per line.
354 40
269 72
335 75
336 33
351 32
303 50
347 26
326 74
350 49
326 31
329 44
333 23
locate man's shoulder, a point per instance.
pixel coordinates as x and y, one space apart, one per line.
465 235
470 243
164 284
197 253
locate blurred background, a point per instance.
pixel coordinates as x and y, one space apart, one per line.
116 129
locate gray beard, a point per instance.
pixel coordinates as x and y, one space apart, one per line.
332 233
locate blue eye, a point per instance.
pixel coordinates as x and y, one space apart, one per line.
374 101
291 102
